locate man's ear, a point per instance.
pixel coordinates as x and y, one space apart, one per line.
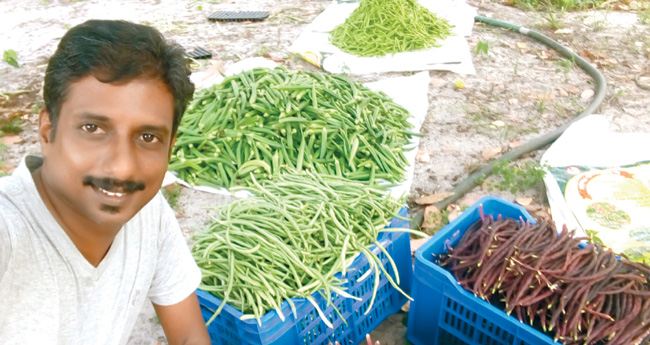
44 128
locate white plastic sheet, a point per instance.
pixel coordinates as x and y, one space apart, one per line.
452 55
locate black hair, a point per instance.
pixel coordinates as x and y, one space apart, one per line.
116 51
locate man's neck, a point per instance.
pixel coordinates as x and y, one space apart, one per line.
93 245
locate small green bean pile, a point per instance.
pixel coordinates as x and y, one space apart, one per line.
291 239
380 27
261 120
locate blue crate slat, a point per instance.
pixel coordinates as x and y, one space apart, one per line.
307 328
443 312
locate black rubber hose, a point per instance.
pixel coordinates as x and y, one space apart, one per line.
601 90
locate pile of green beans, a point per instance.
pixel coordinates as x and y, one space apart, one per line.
263 119
291 239
380 27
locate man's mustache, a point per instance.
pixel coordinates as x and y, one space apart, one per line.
109 184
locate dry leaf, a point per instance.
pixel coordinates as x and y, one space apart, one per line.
432 198
417 243
521 45
602 55
541 213
453 212
432 217
459 84
406 306
543 55
469 199
532 207
273 58
11 139
524 201
490 152
586 94
423 157
586 54
572 90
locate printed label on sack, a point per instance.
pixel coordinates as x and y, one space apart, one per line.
613 204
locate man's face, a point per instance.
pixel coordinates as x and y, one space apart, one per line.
110 150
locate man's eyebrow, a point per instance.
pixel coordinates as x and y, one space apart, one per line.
92 116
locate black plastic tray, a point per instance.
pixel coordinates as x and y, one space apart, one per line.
238 16
199 53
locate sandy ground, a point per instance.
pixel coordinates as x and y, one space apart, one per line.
520 90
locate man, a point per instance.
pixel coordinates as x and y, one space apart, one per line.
85 235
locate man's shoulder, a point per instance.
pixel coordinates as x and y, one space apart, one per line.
12 214
11 194
18 189
10 185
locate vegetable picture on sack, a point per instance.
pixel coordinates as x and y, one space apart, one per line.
261 120
579 295
294 238
380 27
612 203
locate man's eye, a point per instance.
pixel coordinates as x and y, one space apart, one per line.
90 128
149 138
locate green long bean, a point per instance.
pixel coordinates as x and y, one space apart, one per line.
288 241
380 27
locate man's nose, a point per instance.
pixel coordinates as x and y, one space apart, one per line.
120 162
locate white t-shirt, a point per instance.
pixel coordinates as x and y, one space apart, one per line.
50 294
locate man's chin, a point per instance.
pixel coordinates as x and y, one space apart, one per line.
111 216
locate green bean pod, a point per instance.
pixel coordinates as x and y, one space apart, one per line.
295 237
380 27
263 120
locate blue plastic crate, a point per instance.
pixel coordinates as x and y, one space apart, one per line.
442 312
307 327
